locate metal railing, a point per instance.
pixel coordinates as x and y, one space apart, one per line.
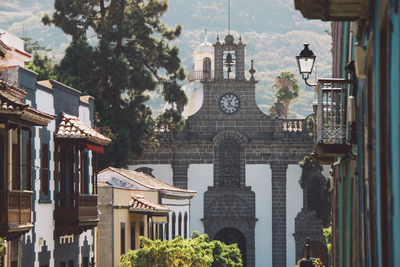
331 113
200 75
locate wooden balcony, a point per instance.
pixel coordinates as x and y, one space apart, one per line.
200 75
75 213
15 213
331 131
333 10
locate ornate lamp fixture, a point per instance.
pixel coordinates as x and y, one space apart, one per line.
305 62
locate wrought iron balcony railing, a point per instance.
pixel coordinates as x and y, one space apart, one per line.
331 132
200 75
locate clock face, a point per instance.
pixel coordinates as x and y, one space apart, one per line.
229 103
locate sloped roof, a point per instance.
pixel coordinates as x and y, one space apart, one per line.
148 181
11 105
72 128
142 204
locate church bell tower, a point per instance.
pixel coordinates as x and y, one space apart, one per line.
229 59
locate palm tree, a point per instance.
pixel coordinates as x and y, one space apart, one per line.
287 89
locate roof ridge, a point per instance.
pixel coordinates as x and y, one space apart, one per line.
120 171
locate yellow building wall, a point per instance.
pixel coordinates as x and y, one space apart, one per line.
122 198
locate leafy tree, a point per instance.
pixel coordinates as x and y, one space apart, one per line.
33 46
130 56
287 89
2 250
328 238
197 251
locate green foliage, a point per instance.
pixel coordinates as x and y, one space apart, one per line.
130 57
315 261
287 89
328 238
2 247
197 251
2 250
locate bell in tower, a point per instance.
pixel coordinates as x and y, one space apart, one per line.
229 59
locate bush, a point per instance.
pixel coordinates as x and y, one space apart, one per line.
197 251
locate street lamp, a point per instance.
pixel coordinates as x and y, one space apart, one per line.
305 61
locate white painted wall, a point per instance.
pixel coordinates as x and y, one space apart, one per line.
44 224
200 177
162 172
84 114
259 178
294 203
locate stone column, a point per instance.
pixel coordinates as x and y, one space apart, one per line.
279 214
179 169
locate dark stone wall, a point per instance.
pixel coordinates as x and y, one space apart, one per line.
44 256
28 251
66 252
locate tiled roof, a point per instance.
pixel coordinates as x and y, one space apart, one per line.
11 104
142 204
148 181
73 128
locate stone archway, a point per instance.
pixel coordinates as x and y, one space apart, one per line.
231 236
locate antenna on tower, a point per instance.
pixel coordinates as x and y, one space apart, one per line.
229 17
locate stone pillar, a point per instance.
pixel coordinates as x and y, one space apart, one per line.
240 62
279 214
218 62
179 169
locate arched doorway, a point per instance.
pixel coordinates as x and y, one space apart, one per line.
231 236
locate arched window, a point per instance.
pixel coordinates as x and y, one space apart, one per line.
185 223
173 224
180 224
207 67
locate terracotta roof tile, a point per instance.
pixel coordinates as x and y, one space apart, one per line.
140 203
11 104
72 127
148 181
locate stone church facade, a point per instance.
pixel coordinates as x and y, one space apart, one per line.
242 163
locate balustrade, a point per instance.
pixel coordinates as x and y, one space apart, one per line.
200 75
295 126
